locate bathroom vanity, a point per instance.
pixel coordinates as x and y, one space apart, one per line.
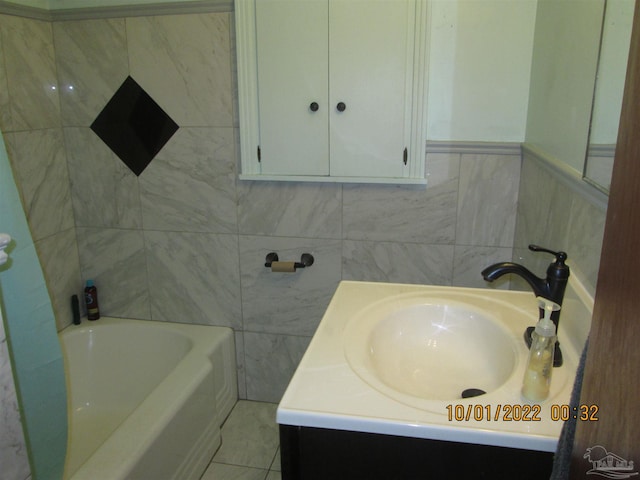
378 393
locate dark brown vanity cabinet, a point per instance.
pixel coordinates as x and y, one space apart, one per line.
323 454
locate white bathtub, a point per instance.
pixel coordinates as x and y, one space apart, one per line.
146 399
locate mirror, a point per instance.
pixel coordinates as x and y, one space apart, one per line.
563 70
607 101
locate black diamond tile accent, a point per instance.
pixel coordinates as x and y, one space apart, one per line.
134 126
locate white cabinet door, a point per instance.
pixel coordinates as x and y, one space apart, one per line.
370 71
332 90
292 52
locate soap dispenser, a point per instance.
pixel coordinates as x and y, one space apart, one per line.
537 375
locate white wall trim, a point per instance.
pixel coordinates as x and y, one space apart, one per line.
8 8
90 13
566 175
478 148
608 150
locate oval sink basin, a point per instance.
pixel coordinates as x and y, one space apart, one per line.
429 348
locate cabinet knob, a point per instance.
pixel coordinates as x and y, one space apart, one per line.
314 106
341 107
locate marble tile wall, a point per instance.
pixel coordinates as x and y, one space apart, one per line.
560 214
185 241
32 129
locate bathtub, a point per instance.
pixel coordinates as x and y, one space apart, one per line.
146 399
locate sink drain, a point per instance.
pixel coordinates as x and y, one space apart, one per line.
472 392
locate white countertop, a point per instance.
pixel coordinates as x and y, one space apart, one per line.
326 393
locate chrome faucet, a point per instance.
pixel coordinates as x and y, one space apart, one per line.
552 287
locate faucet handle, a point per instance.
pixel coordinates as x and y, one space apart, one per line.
561 257
557 270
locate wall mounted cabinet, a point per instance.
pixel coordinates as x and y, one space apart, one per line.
332 90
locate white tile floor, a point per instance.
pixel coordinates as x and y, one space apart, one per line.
249 449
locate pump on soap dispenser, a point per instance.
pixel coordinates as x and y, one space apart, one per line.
537 375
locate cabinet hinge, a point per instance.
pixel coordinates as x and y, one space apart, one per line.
258 152
405 154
